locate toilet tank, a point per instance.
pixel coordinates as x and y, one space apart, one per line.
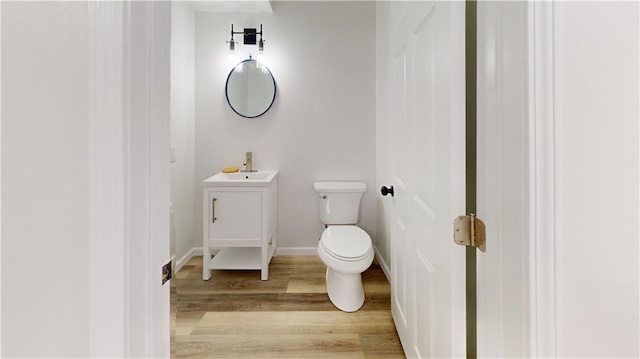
339 202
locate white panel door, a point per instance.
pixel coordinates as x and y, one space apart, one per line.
401 290
428 283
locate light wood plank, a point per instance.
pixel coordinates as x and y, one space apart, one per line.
307 285
186 322
265 302
379 346
335 322
326 346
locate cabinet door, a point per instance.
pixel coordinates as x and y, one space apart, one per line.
237 215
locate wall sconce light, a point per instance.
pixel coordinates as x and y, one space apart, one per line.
249 38
232 51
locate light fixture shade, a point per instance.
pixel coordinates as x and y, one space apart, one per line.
232 52
261 58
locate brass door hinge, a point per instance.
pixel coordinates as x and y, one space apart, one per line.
470 231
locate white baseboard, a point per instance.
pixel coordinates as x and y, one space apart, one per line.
297 251
196 251
383 264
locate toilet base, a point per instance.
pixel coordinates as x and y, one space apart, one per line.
345 290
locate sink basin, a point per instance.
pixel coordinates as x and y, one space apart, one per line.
244 176
260 178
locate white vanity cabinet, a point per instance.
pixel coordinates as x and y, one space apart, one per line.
240 220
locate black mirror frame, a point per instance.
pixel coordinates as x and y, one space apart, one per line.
226 89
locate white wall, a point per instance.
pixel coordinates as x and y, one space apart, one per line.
45 262
596 94
322 124
183 197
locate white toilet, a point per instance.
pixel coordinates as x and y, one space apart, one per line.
344 248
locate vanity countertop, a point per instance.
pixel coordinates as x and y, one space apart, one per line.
259 178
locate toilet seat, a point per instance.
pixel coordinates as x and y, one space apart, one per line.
346 243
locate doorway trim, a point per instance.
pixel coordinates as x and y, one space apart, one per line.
542 230
108 239
129 178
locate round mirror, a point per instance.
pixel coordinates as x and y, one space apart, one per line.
250 89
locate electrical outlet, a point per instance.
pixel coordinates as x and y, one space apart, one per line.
166 273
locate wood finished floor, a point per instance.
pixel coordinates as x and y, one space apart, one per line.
236 315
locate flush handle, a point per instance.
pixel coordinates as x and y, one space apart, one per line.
386 190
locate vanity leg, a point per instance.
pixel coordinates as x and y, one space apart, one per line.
206 259
264 271
274 243
206 249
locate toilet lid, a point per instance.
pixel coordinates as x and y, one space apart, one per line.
349 242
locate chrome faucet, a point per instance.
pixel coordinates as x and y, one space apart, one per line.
248 162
